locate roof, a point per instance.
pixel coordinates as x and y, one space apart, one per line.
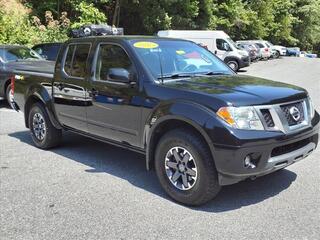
122 37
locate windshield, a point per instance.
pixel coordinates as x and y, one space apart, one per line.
18 53
173 58
233 43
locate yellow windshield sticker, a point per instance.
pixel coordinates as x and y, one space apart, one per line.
180 52
146 45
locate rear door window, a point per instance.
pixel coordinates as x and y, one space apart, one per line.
76 60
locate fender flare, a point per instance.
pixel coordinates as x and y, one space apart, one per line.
40 93
232 58
196 117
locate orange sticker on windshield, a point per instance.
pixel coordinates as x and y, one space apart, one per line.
147 45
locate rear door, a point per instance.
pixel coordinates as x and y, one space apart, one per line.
116 107
69 87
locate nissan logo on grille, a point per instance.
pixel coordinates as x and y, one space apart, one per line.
295 113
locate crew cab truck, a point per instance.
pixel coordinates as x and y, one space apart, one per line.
200 125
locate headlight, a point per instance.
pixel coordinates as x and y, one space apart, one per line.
241 117
311 108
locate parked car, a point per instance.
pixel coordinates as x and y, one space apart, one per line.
217 42
277 50
265 50
293 51
200 125
48 51
251 49
308 55
10 55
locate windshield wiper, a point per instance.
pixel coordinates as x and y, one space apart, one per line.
190 75
211 73
176 75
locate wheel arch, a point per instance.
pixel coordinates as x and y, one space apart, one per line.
6 84
232 58
40 94
169 122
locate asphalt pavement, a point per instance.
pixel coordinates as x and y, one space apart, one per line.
90 190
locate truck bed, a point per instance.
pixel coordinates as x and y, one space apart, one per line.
32 67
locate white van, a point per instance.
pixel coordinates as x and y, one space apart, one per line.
218 42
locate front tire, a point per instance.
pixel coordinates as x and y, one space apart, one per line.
233 64
43 133
185 168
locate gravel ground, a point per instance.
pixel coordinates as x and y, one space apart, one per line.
90 190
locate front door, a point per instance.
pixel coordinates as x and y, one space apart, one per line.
69 88
222 47
116 106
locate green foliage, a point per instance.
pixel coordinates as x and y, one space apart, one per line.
14 28
17 28
88 14
307 28
287 22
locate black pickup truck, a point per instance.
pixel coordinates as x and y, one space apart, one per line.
200 125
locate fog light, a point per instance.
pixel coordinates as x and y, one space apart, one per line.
248 163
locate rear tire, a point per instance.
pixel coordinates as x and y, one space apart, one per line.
9 96
43 133
198 170
277 54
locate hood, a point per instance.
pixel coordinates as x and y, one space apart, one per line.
41 66
243 53
241 90
279 46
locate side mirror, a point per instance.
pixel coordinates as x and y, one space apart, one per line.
226 47
119 75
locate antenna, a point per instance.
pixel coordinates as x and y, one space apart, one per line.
161 70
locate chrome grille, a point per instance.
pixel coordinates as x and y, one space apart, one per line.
267 117
286 110
278 117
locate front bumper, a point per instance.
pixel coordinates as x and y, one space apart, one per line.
268 155
244 62
283 52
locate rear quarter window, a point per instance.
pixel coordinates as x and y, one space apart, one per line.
76 60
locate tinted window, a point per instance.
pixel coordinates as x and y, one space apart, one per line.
222 45
18 53
50 52
168 57
68 62
111 56
76 60
259 45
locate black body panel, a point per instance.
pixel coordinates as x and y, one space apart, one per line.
129 114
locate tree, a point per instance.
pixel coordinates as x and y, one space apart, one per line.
306 27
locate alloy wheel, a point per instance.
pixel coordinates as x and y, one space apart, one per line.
39 126
233 65
181 168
